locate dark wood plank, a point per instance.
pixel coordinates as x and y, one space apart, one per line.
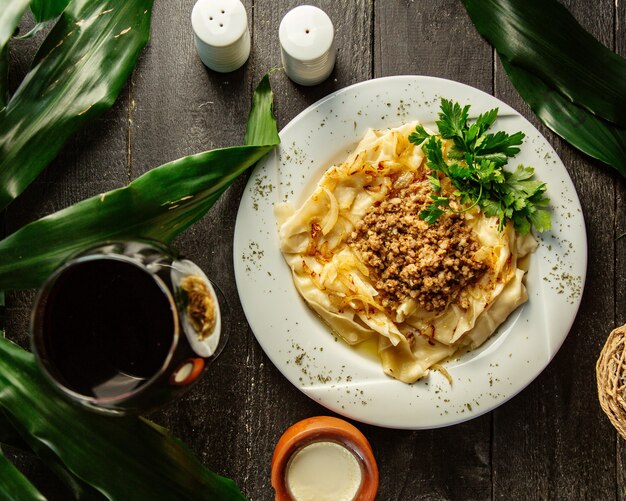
552 441
413 38
620 249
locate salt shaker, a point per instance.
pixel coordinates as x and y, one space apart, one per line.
307 40
221 34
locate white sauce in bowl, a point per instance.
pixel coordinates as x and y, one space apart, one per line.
323 471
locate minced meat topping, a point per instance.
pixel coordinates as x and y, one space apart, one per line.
408 257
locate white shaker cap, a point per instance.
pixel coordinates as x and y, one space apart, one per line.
221 34
307 40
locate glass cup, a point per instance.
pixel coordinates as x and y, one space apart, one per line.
125 327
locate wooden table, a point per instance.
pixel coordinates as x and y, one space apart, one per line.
552 441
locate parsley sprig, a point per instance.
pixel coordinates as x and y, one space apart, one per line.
475 164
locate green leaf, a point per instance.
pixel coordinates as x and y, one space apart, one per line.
492 208
435 184
11 12
4 76
541 37
495 158
158 205
592 135
501 142
524 200
472 134
486 120
45 13
419 136
3 318
522 224
520 177
14 486
434 155
488 171
35 29
452 119
77 489
77 73
261 128
433 211
431 214
456 153
541 220
459 172
123 458
43 10
2 307
440 201
481 179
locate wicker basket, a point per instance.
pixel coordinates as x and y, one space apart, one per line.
611 378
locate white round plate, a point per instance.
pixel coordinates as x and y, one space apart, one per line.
351 382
